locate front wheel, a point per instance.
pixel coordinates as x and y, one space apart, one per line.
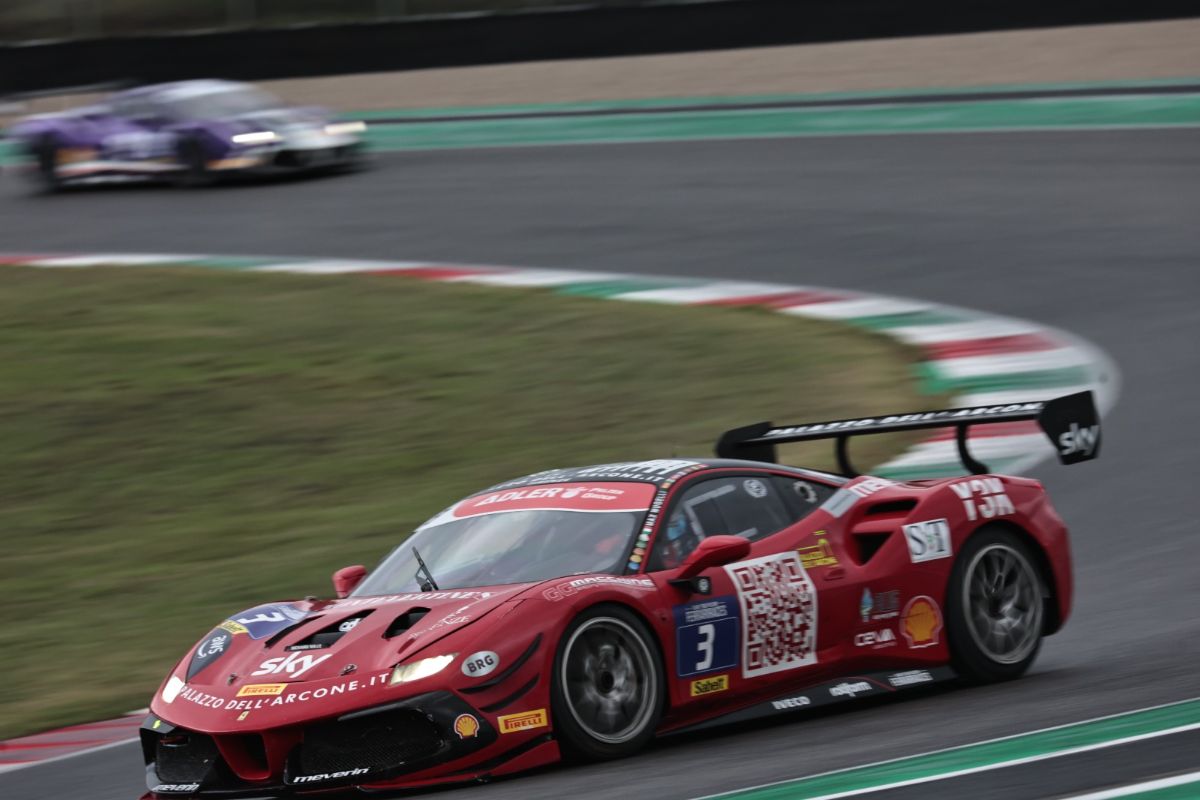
608 686
193 162
995 607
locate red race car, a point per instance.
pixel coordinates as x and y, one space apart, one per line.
582 612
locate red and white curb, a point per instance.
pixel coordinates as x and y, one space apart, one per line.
980 358
41 748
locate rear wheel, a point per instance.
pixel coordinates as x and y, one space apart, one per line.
45 153
608 687
995 607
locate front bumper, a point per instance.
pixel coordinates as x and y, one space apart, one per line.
370 746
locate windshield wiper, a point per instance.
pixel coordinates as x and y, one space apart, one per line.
429 584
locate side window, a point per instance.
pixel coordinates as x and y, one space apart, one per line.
745 505
802 497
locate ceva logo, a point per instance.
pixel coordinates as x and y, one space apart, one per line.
1079 439
293 664
876 639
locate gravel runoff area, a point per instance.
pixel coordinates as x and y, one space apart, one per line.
1147 50
1083 53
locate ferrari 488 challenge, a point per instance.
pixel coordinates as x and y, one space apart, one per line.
582 612
190 131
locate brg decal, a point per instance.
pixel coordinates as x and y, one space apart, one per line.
779 610
706 636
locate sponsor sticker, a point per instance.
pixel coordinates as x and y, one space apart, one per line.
280 696
329 776
702 686
209 650
267 620
706 636
755 488
849 689
556 593
479 664
788 703
921 622
983 498
869 486
884 637
294 664
879 605
261 689
928 541
386 599
562 497
779 613
466 726
910 677
1079 441
817 555
524 721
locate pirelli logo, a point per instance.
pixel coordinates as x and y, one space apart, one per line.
261 689
525 721
717 683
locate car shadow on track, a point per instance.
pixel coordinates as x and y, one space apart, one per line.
727 737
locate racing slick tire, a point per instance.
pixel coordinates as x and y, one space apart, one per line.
608 690
45 156
995 607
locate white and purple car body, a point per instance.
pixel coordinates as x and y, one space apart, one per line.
189 131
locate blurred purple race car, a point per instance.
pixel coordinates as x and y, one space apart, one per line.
191 132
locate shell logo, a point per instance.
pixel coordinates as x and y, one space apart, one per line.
466 726
921 622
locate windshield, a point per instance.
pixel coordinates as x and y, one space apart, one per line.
519 536
218 103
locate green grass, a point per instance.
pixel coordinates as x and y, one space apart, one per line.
181 444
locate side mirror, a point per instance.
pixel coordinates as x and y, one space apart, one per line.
346 578
714 551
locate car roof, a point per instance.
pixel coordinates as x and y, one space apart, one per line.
661 471
177 89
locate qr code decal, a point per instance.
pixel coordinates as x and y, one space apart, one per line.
779 607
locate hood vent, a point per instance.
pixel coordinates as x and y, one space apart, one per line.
275 639
331 633
405 621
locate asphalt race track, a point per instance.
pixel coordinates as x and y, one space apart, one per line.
1095 232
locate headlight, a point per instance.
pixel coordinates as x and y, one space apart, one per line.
342 128
403 673
256 137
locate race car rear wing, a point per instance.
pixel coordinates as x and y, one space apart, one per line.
1070 422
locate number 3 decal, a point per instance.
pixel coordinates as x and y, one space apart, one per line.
706 636
704 647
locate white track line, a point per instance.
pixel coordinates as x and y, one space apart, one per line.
64 756
958 773
1137 788
950 750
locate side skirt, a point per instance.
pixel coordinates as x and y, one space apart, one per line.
870 684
